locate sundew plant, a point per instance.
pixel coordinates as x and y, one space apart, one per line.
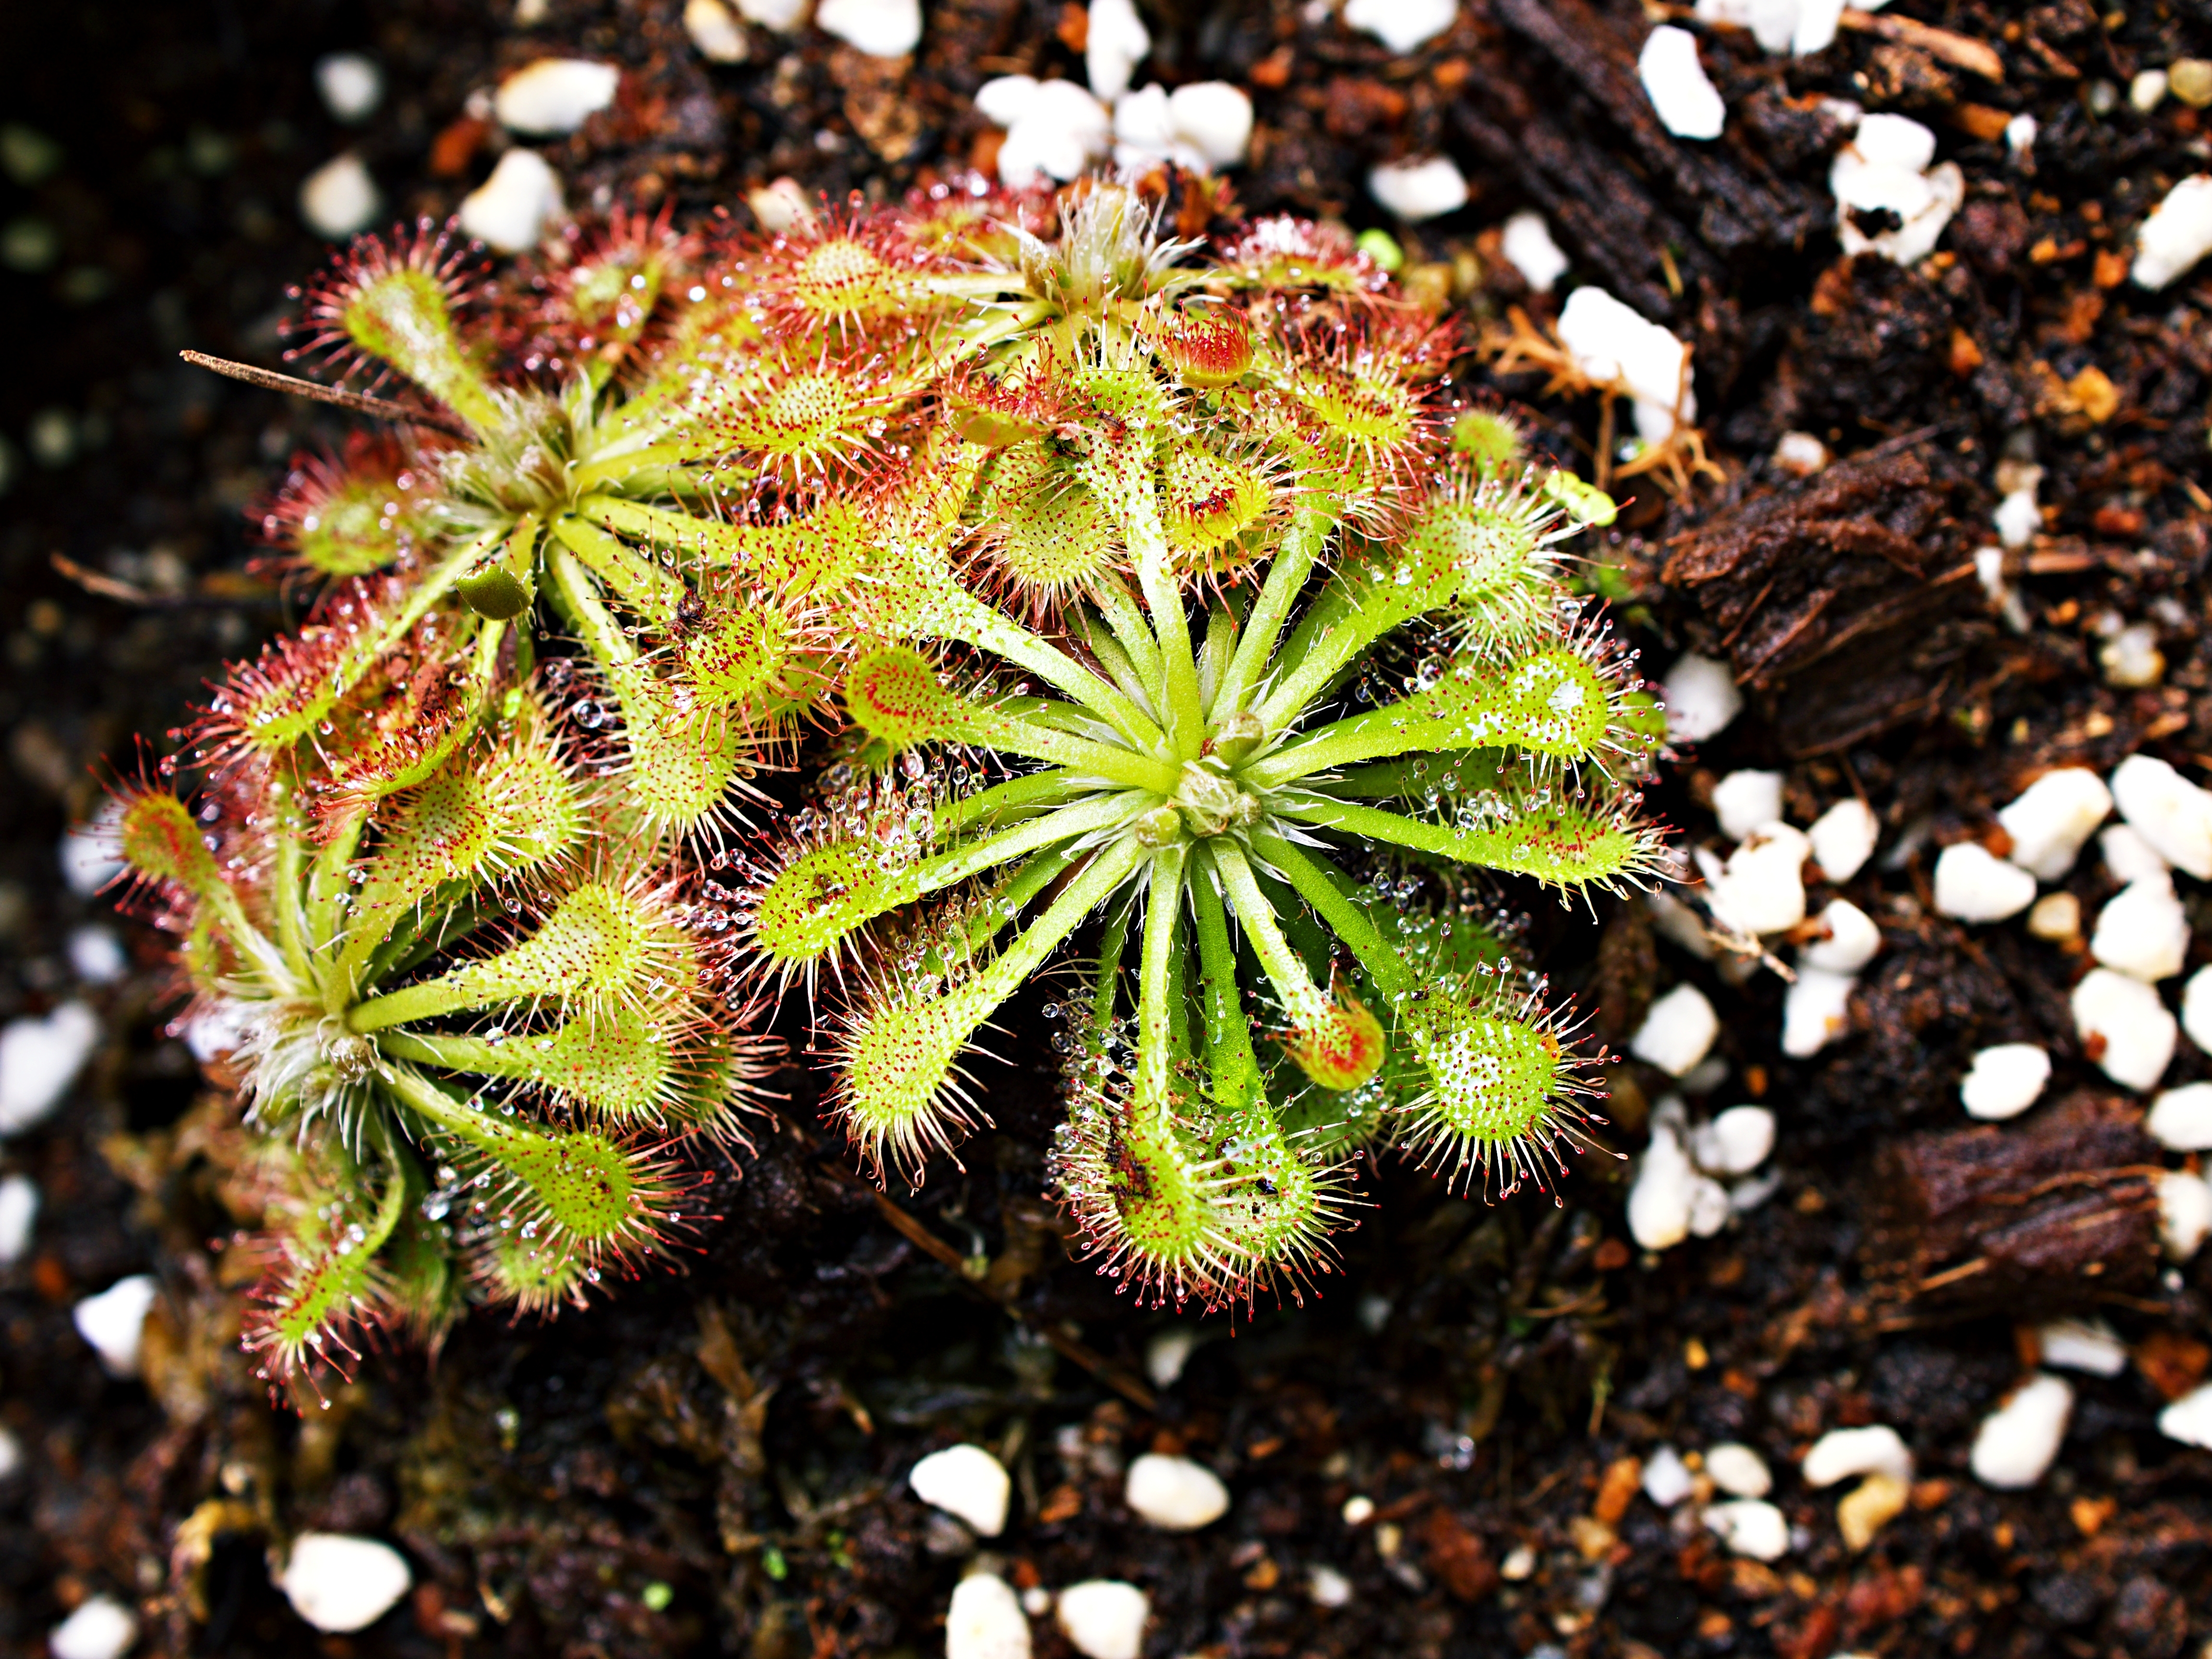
1127 606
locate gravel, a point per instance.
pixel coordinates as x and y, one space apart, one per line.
986 1621
100 1628
1844 838
2177 233
2051 820
1739 1471
2124 1016
1174 1494
1677 1032
1613 343
2143 931
2004 1080
19 1212
1751 1527
556 95
339 200
114 1321
2167 811
1887 169
1974 884
40 1059
1526 242
2181 1119
966 1481
2088 1345
339 1582
1701 696
2018 1443
511 210
1682 95
1746 801
1840 1454
1105 1617
1419 190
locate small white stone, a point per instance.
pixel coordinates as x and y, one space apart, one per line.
2143 931
2051 819
1660 1196
340 1583
2185 1212
2138 1032
91 853
2181 1119
1058 135
101 1628
1762 888
1700 694
510 210
1415 191
716 31
1036 1600
1746 1195
1772 23
1815 27
2082 1345
1710 1208
1329 1587
1667 1478
1116 43
95 955
1678 1032
19 1213
2018 518
2177 233
986 1621
40 1059
213 1029
2131 659
1682 95
1885 166
11 1454
966 1481
1168 1353
1175 1493
780 14
1359 1509
1851 939
2055 916
351 85
339 198
1801 454
1751 1526
2128 857
114 1321
1974 884
2020 135
1842 1452
1105 1617
1815 1012
555 95
1739 1471
1215 118
2167 811
1004 100
1844 838
1613 344
2196 1008
1401 25
2148 90
1527 244
781 204
2004 1081
2189 1419
1735 1142
1745 801
2018 1441
880 28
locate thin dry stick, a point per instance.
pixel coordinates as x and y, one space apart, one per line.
382 409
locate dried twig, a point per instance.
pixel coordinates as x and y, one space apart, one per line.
382 409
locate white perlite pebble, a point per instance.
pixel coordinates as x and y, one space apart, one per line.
2167 811
1700 696
340 1583
2189 1419
2082 1345
555 95
1167 1353
2177 233
1329 1587
1527 244
1974 884
102 1628
1682 96
1105 1617
1735 1143
2137 1032
1745 801
1415 191
966 1481
773 14
1843 838
1801 454
2018 1441
338 199
1799 27
39 1058
1199 127
1401 25
2181 1119
2196 1008
509 211
91 853
1667 1478
11 1454
1751 1526
1116 43
2051 819
2055 916
1851 939
2017 519
1739 1471
114 1321
1885 167
1659 1197
2131 659
2004 1081
1815 1012
2184 1214
1761 889
2144 931
1057 133
1678 1032
1002 101
351 85
1842 1452
1614 345
716 31
19 1213
2128 857
881 29
986 1621
95 955
1174 1493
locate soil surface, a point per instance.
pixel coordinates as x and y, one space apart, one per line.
1437 1454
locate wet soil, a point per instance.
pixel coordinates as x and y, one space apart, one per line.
715 1459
